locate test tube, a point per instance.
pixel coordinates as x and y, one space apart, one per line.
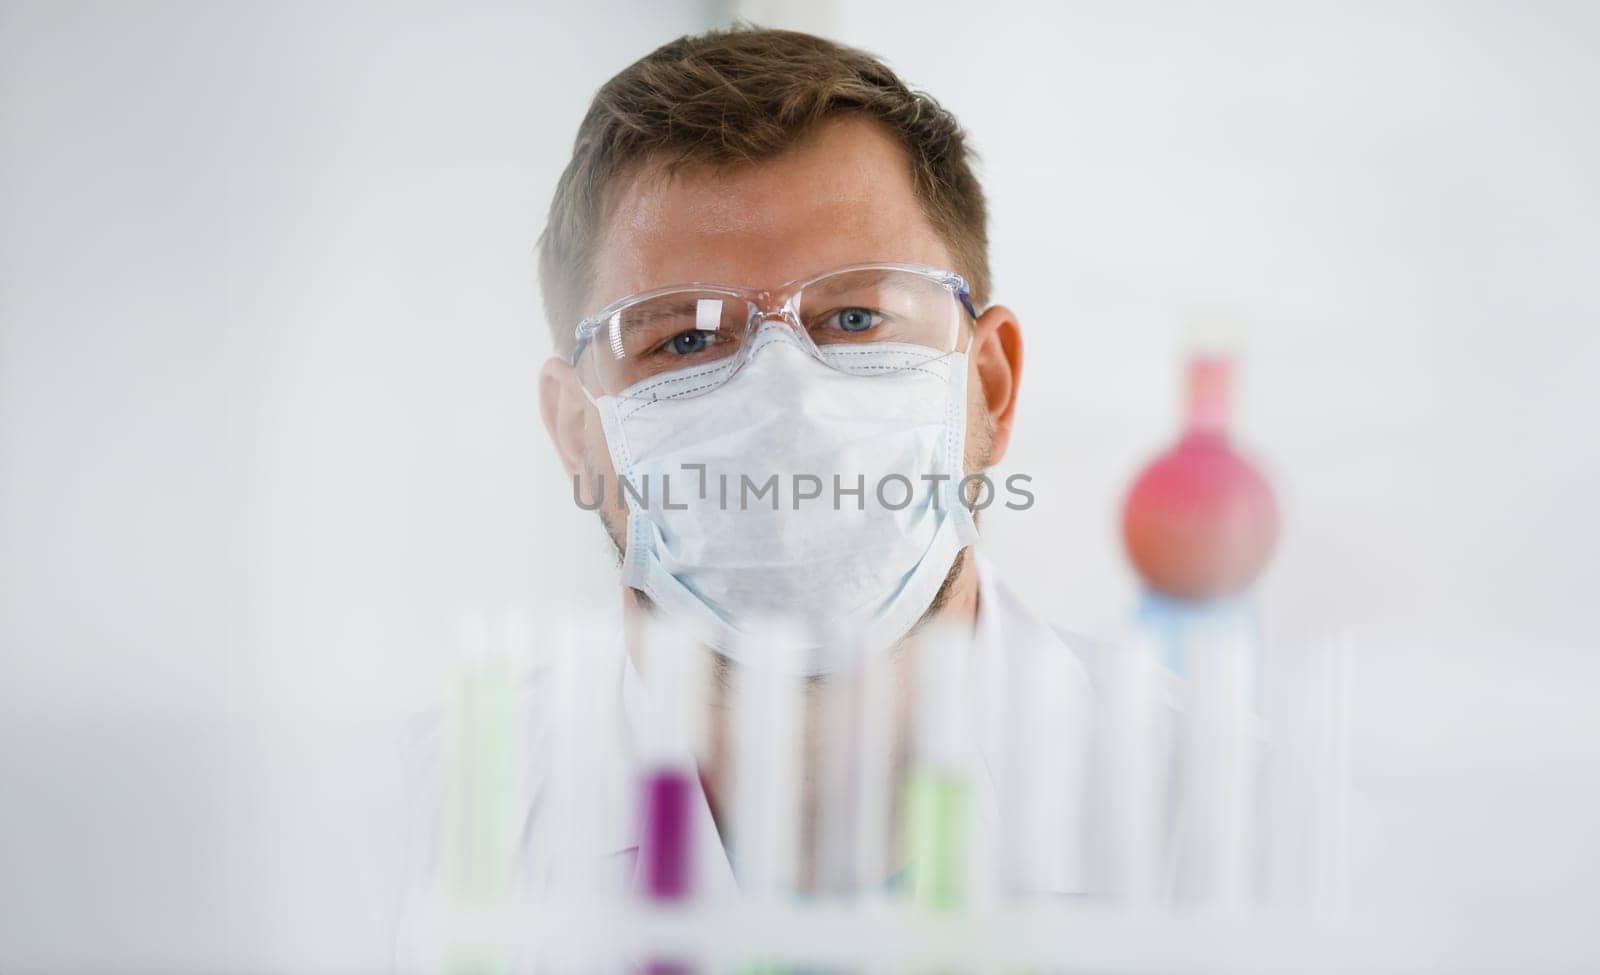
938 802
1218 793
482 761
1045 725
1133 764
1330 806
850 734
766 764
832 745
576 657
480 767
766 761
668 787
876 710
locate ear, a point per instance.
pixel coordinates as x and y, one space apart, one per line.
997 358
562 405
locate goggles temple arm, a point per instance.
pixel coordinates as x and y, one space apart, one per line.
966 302
584 334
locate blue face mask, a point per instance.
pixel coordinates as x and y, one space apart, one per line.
727 537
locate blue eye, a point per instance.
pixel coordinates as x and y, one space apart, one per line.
856 319
688 343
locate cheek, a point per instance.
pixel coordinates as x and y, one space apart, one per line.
597 463
979 428
596 455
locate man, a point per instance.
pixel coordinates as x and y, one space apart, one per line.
765 271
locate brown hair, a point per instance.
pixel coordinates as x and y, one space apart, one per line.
739 96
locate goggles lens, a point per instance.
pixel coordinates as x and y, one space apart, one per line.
694 327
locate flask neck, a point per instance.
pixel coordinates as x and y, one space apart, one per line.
1207 401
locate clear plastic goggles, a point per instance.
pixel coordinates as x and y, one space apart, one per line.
709 328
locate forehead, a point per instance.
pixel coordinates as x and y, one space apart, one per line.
844 195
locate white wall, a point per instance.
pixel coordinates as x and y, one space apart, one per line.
269 330
268 335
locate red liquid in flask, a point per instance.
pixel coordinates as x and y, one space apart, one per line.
1200 521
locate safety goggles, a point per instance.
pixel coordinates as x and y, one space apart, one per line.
925 311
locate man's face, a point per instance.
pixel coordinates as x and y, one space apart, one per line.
842 196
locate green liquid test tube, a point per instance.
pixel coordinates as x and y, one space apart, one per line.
480 832
938 807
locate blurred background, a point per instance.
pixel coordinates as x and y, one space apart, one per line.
269 334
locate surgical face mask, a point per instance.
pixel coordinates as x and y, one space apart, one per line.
874 430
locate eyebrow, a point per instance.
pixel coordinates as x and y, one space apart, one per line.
648 313
856 279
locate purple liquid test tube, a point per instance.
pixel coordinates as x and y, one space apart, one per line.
669 789
667 848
